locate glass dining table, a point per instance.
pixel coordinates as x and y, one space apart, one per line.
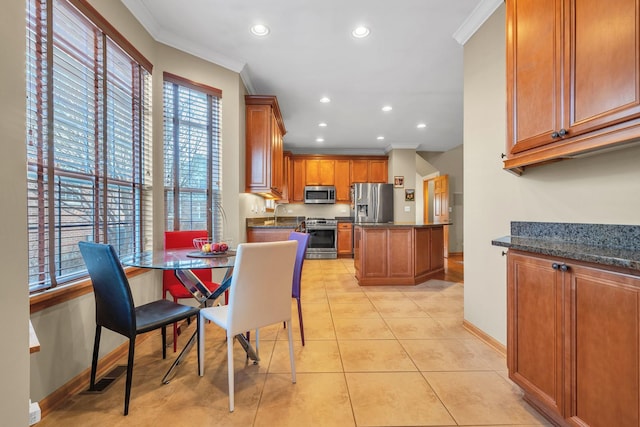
182 262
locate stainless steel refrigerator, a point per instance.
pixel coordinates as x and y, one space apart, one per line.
373 202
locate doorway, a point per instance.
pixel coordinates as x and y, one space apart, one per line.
436 204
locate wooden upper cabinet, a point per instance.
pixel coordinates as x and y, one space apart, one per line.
286 177
378 171
320 172
264 146
342 181
573 78
359 171
297 179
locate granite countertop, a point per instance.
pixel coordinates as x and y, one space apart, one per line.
606 244
280 222
401 224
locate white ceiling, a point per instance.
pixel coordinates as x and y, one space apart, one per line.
410 61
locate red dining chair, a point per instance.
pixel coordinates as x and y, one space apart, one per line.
170 283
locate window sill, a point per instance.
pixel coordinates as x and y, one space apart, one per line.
54 296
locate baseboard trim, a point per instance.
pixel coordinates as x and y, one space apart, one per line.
81 381
488 339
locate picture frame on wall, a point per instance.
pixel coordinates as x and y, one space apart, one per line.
398 181
409 195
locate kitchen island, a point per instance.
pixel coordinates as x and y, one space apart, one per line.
398 253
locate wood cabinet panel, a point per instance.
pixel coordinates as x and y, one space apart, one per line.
534 329
264 146
298 172
400 252
268 235
395 255
342 181
374 253
604 319
378 171
359 171
573 339
437 244
345 239
320 172
573 78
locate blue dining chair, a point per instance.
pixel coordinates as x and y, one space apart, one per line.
115 309
303 243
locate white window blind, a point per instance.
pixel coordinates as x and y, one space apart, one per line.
192 153
88 141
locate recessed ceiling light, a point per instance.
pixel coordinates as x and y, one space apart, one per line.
322 124
325 100
319 139
360 32
380 138
387 108
421 125
259 30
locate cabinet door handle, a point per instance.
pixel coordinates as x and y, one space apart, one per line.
555 266
562 132
564 267
555 135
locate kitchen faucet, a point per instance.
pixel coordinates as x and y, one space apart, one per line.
275 214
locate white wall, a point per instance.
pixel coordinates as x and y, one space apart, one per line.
14 302
604 188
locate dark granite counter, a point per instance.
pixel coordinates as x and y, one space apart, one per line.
606 244
271 223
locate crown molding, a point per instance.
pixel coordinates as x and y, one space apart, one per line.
474 21
246 79
391 147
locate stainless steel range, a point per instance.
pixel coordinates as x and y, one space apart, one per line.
323 241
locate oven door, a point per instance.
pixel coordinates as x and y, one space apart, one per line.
322 242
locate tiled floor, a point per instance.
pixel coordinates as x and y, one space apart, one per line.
374 356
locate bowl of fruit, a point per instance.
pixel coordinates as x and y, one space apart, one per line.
208 246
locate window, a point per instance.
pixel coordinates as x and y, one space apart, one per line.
88 139
192 153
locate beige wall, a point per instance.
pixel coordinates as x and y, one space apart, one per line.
604 188
402 162
14 303
66 330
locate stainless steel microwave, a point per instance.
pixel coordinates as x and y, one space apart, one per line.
319 194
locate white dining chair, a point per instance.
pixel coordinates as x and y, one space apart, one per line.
259 295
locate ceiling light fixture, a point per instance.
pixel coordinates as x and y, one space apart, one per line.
387 108
421 125
380 138
319 139
322 124
325 100
360 32
259 30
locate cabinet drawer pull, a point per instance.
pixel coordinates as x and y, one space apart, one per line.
555 135
555 266
562 132
564 267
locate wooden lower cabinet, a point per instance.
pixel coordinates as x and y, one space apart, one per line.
345 239
573 340
268 234
397 255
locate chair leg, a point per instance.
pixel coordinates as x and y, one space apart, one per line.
300 320
94 359
201 345
175 331
164 342
291 359
230 374
257 344
198 346
127 392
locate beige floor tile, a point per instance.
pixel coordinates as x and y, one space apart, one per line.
315 356
481 398
395 399
317 326
360 329
358 296
438 306
416 328
354 310
453 355
319 399
399 308
374 356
